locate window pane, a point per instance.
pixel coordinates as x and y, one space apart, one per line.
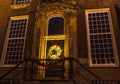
100 38
55 49
21 1
16 40
56 26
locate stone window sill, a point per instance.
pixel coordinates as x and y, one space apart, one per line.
20 6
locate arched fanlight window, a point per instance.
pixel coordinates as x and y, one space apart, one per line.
56 26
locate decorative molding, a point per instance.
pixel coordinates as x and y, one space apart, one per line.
56 8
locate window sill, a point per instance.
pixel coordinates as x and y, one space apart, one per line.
20 6
103 65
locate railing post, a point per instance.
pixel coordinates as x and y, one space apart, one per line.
119 82
27 59
63 68
70 68
31 72
25 68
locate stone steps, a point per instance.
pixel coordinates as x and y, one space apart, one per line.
50 82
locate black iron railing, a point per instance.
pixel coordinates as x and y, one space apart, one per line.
87 69
32 71
11 70
10 81
34 67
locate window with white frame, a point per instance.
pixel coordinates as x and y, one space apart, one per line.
21 1
101 41
15 40
19 4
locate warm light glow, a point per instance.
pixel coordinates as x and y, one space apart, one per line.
55 52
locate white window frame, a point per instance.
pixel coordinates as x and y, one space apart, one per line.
116 64
7 38
14 2
21 5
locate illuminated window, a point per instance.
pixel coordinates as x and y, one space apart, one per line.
56 26
21 1
101 42
55 49
55 38
20 4
15 40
